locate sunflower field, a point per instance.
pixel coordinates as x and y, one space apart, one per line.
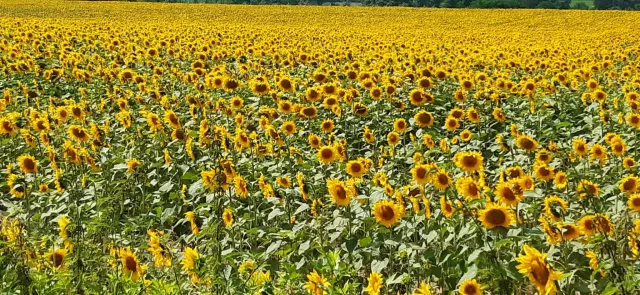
155 148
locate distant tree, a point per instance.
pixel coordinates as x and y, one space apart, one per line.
580 5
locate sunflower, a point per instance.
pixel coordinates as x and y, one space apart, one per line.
423 118
327 154
40 125
231 84
628 163
498 115
587 225
423 289
28 164
507 194
496 215
132 164
593 262
560 180
569 231
387 212
240 186
393 138
633 120
286 84
356 168
468 188
466 135
634 202
7 127
314 141
227 217
618 147
473 115
360 110
417 97
78 133
375 284
130 264
289 127
466 84
340 192
56 257
368 135
629 184
400 125
543 172
420 173
526 142
555 207
446 207
514 172
309 112
469 161
441 179
154 122
316 283
579 147
586 187
451 123
598 152
327 126
190 259
470 287
534 264
302 186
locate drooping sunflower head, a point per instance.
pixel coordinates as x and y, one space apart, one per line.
534 265
227 217
554 207
57 256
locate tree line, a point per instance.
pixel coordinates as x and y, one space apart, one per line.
547 4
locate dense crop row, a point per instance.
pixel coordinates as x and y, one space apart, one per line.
209 149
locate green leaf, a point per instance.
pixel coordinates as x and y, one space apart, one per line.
470 274
166 187
474 255
379 265
365 241
610 289
303 247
